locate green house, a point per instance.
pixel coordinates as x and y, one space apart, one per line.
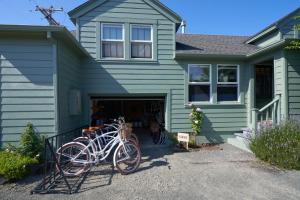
126 54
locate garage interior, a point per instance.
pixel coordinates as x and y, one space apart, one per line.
142 112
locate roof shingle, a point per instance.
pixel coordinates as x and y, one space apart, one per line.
213 45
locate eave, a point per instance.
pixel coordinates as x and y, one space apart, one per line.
89 5
58 32
277 45
261 34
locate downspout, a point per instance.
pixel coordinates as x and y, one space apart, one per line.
54 44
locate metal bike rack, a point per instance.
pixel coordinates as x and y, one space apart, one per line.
54 181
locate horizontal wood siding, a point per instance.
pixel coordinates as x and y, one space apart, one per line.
293 66
165 77
69 78
220 121
27 93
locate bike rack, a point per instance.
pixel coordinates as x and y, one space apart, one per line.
53 178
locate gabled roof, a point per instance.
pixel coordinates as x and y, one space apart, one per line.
271 27
195 44
156 4
58 32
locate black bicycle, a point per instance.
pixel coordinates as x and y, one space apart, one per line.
161 136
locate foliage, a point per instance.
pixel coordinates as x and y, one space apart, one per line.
196 117
31 143
173 138
13 165
279 146
293 45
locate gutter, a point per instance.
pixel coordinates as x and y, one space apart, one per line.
276 45
225 56
50 31
256 37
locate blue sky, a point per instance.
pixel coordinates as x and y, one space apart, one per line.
228 17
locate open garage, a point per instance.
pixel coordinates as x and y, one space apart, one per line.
146 114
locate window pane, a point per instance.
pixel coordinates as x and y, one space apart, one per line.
199 73
227 74
227 93
199 93
112 32
141 50
112 50
142 33
134 33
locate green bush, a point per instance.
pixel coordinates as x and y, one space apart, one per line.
173 138
279 146
13 165
196 117
31 143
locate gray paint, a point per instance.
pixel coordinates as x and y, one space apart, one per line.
269 39
287 27
293 74
69 78
162 76
27 92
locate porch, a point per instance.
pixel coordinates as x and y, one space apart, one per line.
267 97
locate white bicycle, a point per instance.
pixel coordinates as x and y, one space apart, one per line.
76 157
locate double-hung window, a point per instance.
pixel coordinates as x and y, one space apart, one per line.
141 38
199 83
228 83
112 40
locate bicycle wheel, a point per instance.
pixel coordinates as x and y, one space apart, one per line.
156 137
127 158
73 159
134 138
163 137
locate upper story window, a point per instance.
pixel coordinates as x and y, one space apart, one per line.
199 83
141 38
112 40
228 83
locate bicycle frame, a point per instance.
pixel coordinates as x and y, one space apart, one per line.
103 152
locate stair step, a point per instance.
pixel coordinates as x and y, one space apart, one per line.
239 144
246 129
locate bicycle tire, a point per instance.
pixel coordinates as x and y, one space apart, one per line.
127 166
68 167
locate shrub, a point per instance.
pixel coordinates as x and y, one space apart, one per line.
13 165
196 117
279 146
31 143
173 138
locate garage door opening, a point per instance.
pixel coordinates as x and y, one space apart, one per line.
147 114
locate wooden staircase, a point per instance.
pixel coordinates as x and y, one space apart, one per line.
267 117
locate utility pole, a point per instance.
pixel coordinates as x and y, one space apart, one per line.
47 12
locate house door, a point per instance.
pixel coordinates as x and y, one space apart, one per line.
264 87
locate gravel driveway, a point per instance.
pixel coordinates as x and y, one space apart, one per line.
215 174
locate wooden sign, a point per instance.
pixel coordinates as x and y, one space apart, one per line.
185 138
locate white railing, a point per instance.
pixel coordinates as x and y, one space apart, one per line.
269 115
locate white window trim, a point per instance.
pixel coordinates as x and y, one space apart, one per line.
111 40
141 41
200 83
229 83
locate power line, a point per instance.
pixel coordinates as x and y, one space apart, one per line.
47 12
